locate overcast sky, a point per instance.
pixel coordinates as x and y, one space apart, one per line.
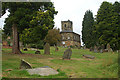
73 10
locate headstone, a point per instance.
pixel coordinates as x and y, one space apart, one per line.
47 48
67 54
56 48
102 48
95 49
84 47
37 52
89 56
108 47
118 51
25 65
105 50
111 50
91 49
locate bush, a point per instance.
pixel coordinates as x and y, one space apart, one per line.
37 45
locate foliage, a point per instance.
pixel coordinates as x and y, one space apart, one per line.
20 13
39 25
53 37
87 34
33 20
107 24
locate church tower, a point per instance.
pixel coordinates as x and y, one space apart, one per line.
67 25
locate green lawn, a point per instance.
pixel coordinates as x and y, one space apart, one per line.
103 66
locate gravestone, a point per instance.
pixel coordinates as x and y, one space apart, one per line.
37 52
89 56
56 48
25 65
109 48
95 49
47 48
67 54
101 48
118 51
84 47
105 50
91 49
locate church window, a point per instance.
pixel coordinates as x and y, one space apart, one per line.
65 25
63 42
74 37
63 37
68 37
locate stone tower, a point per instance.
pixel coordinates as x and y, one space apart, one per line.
67 25
69 38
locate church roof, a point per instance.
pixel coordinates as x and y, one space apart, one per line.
68 31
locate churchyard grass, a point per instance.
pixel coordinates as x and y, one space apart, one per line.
105 65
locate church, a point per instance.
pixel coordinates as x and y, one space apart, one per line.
69 38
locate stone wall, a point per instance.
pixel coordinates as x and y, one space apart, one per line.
71 43
70 36
70 39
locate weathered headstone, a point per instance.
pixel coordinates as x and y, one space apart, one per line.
108 47
37 52
47 48
84 47
91 49
111 50
105 50
25 65
102 47
118 51
101 50
89 56
67 54
95 49
56 48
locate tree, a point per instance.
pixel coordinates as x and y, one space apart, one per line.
87 29
53 37
19 19
39 26
107 26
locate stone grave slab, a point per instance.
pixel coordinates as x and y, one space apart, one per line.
43 71
37 52
89 56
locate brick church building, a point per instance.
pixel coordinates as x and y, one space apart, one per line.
69 38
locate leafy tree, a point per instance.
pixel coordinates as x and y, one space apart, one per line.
107 26
39 26
19 19
53 37
87 29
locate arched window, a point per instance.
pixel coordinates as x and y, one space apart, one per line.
68 37
64 25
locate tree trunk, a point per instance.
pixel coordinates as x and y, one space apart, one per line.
15 46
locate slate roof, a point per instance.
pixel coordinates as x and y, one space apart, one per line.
68 31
